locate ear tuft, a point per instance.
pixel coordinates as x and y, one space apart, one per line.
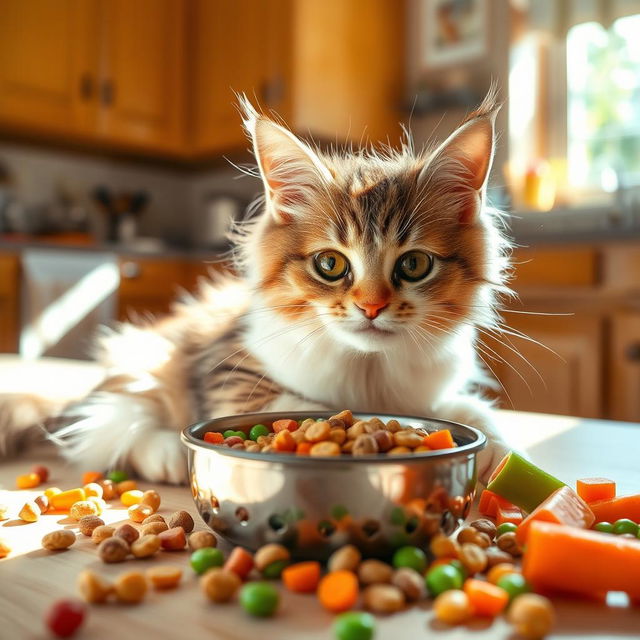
291 171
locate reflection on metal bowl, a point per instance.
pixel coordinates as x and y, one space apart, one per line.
315 505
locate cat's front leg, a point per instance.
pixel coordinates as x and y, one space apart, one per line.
478 413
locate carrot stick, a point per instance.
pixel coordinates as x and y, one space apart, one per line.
508 514
489 503
65 499
616 508
302 577
581 561
240 562
594 489
486 599
338 591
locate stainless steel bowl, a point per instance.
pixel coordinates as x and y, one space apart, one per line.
315 505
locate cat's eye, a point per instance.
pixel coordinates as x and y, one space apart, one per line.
413 266
331 265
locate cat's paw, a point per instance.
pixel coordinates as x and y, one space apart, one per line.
160 457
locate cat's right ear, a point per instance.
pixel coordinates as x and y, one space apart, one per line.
291 171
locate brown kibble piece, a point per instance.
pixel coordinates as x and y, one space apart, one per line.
202 539
173 539
30 512
392 426
152 499
507 542
374 571
364 445
474 536
88 523
407 438
473 558
43 503
220 585
108 489
383 598
337 423
182 519
444 547
139 512
326 448
126 485
156 517
102 533
398 451
130 587
318 432
145 546
496 556
355 430
164 576
128 533
153 528
532 615
92 587
58 540
345 558
484 525
268 554
114 549
346 416
337 435
410 582
383 439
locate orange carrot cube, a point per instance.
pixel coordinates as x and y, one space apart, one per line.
439 440
91 476
302 577
213 437
303 448
486 599
508 514
489 503
282 425
616 508
284 441
594 489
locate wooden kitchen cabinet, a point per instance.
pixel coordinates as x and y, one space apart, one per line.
48 57
9 303
624 367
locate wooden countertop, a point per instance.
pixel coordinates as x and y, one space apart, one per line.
31 578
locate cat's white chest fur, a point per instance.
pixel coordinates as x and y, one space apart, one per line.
406 378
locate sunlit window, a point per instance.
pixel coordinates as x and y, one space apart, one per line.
603 104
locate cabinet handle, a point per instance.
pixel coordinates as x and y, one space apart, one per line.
107 93
130 270
272 91
86 86
633 352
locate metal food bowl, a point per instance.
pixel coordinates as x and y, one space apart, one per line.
313 505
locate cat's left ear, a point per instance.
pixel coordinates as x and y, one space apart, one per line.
471 147
291 171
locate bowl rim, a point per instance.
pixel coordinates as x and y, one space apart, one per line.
190 441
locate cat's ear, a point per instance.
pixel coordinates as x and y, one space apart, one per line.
470 149
291 171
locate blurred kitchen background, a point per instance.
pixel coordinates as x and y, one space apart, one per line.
119 134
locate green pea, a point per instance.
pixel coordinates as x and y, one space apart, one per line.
205 558
117 476
624 525
258 430
514 584
339 511
411 557
456 564
228 433
604 527
442 578
506 527
354 625
273 571
259 599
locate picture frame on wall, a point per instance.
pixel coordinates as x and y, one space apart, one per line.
454 31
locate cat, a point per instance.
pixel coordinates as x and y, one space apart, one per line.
364 278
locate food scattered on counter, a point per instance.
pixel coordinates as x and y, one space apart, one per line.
65 617
339 434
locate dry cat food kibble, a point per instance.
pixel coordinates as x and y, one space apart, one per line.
201 539
88 524
164 576
58 540
130 587
102 533
92 587
113 549
337 435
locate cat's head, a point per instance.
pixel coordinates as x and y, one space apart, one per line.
376 248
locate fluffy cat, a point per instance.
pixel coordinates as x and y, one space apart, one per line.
364 278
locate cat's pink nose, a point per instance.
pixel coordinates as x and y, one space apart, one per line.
372 309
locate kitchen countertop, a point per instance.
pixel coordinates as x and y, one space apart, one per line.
32 578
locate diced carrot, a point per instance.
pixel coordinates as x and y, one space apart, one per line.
91 476
489 503
338 591
425 442
439 440
65 499
594 489
240 562
284 441
616 508
302 577
303 448
563 506
508 514
582 561
213 437
282 425
486 599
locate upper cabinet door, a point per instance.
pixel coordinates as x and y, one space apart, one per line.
239 47
47 65
142 86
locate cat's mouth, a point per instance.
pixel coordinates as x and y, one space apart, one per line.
373 331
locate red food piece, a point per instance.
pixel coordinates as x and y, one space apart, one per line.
594 489
65 616
41 471
508 514
213 437
231 440
282 425
616 508
563 506
240 562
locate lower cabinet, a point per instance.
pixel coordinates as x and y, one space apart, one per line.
9 303
623 388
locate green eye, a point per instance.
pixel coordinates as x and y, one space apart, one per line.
414 266
331 265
